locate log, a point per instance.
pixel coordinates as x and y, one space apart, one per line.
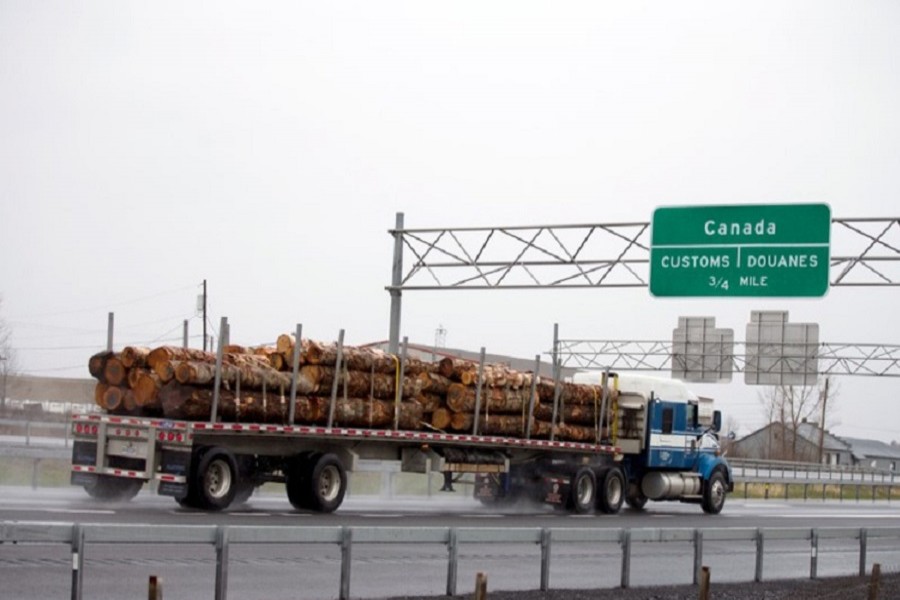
453 368
576 433
506 425
112 398
497 375
114 372
134 357
580 414
574 393
440 419
97 364
165 369
461 398
316 379
429 402
432 382
99 391
146 387
252 376
170 353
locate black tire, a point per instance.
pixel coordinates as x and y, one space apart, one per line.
216 479
612 491
327 483
298 472
113 489
583 491
714 493
244 491
636 501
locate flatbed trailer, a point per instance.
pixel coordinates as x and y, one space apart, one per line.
656 449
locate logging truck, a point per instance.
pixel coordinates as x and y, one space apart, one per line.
655 440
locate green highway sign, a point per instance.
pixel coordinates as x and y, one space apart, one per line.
747 250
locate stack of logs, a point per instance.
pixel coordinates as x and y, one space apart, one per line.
255 387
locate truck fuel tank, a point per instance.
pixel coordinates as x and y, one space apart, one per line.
658 485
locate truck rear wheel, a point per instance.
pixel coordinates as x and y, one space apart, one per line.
328 483
113 489
216 479
714 493
612 491
297 480
583 491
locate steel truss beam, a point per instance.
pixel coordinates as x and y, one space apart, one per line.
865 252
878 360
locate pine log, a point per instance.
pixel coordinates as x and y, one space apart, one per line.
440 419
317 379
165 369
112 398
453 368
252 376
576 433
429 402
170 353
129 406
434 383
498 376
461 398
134 356
507 425
97 364
114 372
284 346
99 392
146 387
580 414
574 393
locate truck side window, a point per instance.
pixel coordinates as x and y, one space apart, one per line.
668 418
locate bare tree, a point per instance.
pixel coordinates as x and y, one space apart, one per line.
7 358
787 408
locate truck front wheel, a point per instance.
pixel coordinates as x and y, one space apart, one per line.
216 479
714 493
612 491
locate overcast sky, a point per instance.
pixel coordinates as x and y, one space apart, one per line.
266 147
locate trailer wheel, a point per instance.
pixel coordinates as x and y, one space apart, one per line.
612 491
583 491
328 483
216 479
113 489
297 480
714 493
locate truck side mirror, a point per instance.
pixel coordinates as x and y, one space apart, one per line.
717 420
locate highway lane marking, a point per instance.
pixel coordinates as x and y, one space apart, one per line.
380 515
482 516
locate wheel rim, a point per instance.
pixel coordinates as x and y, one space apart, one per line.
718 492
614 491
585 491
218 479
329 483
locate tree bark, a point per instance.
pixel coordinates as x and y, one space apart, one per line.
507 425
97 363
573 393
318 379
461 398
580 414
434 383
252 376
135 356
170 353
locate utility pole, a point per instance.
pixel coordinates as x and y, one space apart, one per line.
204 315
822 424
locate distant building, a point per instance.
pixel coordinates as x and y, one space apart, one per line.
777 441
874 454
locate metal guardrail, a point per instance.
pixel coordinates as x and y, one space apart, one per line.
79 536
768 471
